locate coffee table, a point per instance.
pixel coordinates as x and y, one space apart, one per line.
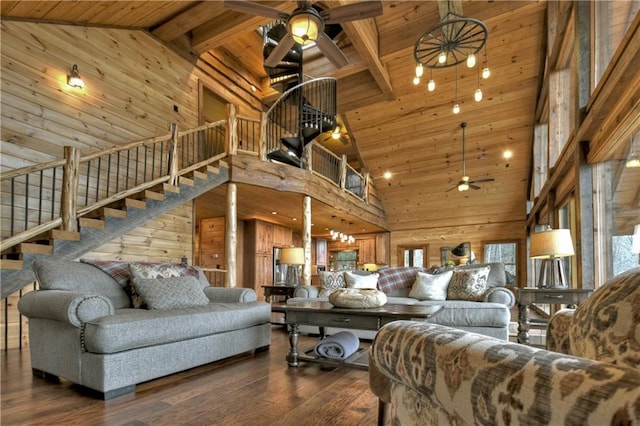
324 314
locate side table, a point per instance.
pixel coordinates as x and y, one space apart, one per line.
277 290
551 296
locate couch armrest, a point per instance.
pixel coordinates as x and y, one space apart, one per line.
67 306
230 294
500 295
558 331
308 291
441 373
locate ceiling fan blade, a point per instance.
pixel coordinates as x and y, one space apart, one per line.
352 12
472 186
255 9
452 188
280 51
331 51
482 180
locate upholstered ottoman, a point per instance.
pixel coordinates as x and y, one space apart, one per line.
357 298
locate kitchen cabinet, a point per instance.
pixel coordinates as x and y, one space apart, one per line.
382 248
282 236
263 237
366 250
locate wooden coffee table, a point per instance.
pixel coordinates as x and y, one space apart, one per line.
324 314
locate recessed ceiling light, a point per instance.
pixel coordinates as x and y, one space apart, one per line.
274 212
295 219
387 175
507 154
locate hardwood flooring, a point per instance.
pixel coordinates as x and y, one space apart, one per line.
249 389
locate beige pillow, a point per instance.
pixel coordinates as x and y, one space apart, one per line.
361 281
468 284
331 281
431 286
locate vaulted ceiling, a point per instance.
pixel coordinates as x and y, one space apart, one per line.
393 126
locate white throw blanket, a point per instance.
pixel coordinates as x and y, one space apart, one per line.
339 346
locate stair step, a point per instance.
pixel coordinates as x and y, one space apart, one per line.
91 223
136 204
213 169
117 213
170 188
11 264
30 248
185 181
199 175
59 234
153 195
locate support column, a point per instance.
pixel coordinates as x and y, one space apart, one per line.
306 240
231 235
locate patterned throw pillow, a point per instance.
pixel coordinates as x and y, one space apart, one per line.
361 281
331 281
431 287
156 270
468 284
170 293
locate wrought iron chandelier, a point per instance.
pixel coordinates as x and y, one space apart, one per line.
454 40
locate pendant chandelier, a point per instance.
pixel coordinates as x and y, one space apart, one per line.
454 40
337 234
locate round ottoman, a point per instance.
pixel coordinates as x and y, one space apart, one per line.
357 298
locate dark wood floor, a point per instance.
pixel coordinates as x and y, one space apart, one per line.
246 390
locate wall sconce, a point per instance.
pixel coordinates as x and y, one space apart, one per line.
74 80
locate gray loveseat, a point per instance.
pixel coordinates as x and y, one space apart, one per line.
82 327
488 315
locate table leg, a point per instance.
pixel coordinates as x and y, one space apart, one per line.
523 324
382 412
292 356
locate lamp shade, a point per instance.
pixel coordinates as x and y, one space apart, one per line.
551 243
304 27
292 256
635 244
372 267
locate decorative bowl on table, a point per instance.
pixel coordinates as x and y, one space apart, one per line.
357 298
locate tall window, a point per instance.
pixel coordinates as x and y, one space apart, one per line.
505 252
566 220
412 256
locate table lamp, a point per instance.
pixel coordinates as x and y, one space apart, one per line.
550 246
294 258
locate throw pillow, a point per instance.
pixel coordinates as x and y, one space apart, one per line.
331 281
361 281
431 287
170 293
468 284
157 270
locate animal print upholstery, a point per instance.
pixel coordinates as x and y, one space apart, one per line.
606 327
436 375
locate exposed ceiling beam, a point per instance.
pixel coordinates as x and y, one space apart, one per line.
188 20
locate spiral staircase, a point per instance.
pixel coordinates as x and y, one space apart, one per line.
306 108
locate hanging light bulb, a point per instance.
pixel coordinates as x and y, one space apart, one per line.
419 70
478 95
471 60
431 85
456 108
486 72
442 57
456 105
416 80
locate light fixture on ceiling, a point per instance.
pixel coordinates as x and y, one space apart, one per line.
305 26
336 133
454 40
73 79
340 234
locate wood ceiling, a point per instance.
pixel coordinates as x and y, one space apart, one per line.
394 126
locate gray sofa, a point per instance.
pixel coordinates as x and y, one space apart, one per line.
82 327
489 316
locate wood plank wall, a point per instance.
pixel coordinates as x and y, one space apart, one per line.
477 235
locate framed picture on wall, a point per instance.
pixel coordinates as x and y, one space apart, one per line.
455 255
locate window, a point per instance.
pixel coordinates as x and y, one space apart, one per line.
566 220
505 252
413 256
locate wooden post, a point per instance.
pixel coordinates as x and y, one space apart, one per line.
365 190
308 156
68 206
343 172
231 235
231 141
262 144
306 240
173 156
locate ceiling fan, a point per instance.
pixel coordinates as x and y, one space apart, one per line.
306 25
464 184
